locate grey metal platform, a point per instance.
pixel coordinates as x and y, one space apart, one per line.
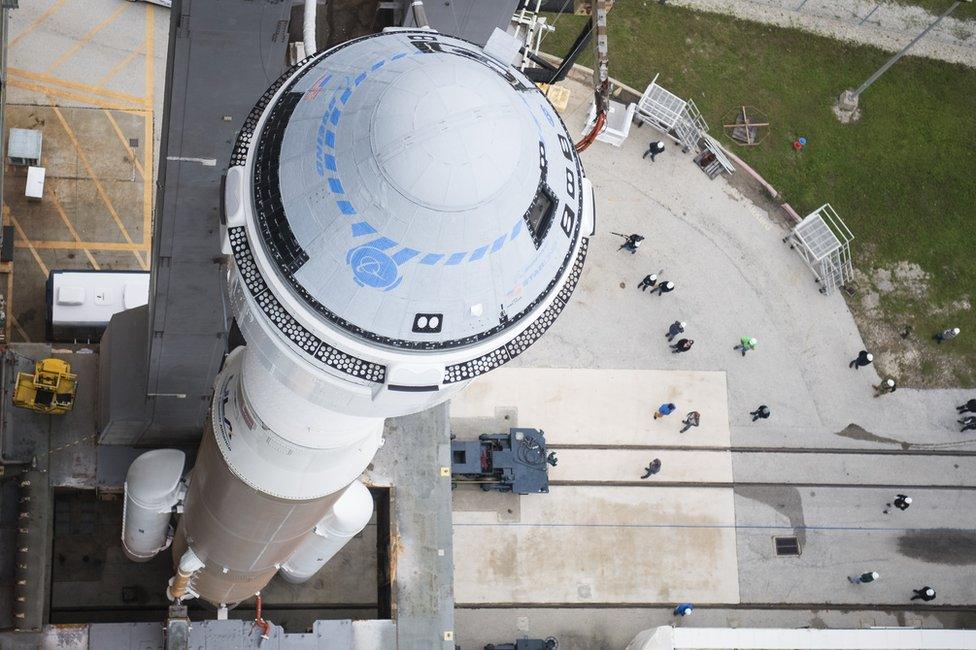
164 363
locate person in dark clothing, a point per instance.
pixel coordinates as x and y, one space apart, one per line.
652 468
902 502
683 345
678 327
885 387
654 149
864 358
649 281
760 413
864 578
691 420
664 287
968 407
968 424
632 243
925 593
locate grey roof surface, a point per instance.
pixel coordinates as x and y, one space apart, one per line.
233 46
408 167
472 20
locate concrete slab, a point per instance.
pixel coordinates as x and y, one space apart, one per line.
734 277
613 629
420 574
72 455
598 406
630 545
85 53
616 466
900 472
844 532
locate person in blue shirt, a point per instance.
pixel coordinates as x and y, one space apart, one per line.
683 609
664 409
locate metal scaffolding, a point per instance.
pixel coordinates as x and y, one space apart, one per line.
674 116
823 241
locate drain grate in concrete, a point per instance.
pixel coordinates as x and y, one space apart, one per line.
786 546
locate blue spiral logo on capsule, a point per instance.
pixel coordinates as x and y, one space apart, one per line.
371 267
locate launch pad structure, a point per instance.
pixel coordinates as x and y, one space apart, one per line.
332 349
601 556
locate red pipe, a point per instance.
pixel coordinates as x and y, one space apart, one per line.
258 620
601 120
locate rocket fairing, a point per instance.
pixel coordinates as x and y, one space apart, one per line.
404 213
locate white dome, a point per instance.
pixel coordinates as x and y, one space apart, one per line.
450 137
393 182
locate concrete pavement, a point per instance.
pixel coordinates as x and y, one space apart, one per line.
809 471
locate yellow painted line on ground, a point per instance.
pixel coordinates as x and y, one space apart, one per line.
13 319
26 240
84 99
37 21
125 143
98 184
118 67
71 229
147 151
40 77
87 37
44 244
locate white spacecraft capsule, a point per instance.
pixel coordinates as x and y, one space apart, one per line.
404 213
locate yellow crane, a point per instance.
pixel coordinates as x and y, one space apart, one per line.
51 389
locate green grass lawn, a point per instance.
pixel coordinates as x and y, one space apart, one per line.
902 178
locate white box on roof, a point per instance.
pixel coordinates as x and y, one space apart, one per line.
35 182
71 296
81 303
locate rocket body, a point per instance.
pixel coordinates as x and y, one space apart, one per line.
403 213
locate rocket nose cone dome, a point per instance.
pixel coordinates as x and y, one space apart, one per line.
448 137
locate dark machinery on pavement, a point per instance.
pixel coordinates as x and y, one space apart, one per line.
549 643
516 461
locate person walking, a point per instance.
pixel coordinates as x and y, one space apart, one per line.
678 327
760 413
968 424
885 387
864 578
947 334
691 420
864 358
631 242
664 409
968 407
683 609
901 501
746 343
666 286
925 594
652 468
648 281
683 345
653 149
